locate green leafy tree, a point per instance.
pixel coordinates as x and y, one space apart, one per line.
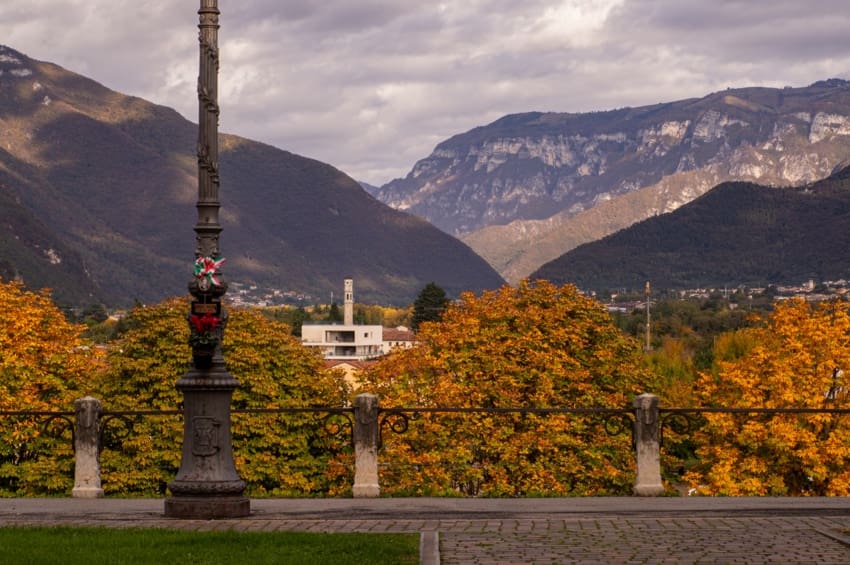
334 315
429 305
293 316
276 454
371 314
536 345
94 313
299 316
360 316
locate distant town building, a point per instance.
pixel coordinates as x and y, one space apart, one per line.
350 368
398 338
345 341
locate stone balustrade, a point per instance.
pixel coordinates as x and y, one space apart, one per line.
366 435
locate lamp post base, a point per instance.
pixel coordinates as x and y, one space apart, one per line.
207 485
207 507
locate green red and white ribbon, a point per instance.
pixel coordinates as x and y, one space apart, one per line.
208 267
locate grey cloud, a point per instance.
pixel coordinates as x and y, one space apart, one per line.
371 86
737 30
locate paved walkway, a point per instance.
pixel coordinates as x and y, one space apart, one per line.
520 531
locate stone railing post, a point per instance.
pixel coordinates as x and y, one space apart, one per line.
647 446
87 448
366 446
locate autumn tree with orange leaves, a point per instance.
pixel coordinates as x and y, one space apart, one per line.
788 363
43 367
535 345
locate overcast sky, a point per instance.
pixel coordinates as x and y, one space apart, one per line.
371 86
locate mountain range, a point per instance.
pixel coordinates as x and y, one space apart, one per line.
738 233
98 192
529 187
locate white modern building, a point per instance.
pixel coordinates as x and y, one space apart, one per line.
346 340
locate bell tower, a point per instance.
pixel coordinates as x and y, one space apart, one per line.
348 309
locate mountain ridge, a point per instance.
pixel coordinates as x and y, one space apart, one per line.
738 233
516 187
104 190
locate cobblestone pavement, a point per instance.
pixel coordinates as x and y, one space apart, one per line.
654 540
520 531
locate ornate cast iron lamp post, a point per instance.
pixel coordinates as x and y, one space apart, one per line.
207 484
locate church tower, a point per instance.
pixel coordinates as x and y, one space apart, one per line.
348 309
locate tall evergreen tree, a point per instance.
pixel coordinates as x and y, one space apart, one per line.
334 315
429 305
297 319
360 316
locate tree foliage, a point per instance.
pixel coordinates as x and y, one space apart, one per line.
429 305
787 363
536 345
334 314
43 367
688 328
276 454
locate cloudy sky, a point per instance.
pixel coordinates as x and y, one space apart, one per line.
371 86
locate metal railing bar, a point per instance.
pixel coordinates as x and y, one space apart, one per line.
712 410
512 410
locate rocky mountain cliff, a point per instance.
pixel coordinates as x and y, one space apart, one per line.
97 201
529 187
737 233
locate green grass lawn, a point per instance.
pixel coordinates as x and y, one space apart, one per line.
96 546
